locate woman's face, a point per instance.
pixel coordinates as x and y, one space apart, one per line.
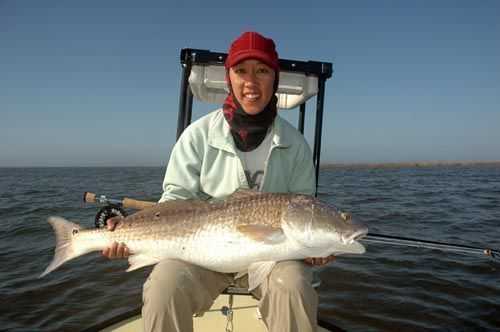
253 85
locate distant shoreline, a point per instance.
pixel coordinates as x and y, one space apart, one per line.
410 164
328 165
324 165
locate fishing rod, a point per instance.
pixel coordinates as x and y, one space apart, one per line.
126 202
115 207
419 243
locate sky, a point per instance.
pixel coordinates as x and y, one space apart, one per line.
96 83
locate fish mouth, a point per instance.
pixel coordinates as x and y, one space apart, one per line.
354 236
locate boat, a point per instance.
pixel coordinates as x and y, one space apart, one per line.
203 78
231 312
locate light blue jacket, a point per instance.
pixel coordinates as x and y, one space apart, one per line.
204 162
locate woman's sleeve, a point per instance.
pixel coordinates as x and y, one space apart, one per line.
182 178
302 179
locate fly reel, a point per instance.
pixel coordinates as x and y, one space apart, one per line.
108 211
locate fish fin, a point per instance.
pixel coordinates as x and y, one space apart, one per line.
140 260
240 274
164 209
262 233
64 231
258 272
244 193
238 195
182 204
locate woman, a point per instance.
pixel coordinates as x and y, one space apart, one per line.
243 145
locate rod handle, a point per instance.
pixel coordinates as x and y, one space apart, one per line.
136 204
89 197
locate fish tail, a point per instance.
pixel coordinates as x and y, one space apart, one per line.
65 249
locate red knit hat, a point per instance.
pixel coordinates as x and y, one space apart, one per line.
252 45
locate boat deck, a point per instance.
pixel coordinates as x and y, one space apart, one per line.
246 318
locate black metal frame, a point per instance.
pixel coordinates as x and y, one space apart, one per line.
323 70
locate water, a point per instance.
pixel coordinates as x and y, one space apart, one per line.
388 288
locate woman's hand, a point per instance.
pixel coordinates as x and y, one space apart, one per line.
116 250
319 261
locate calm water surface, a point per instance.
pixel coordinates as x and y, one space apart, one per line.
386 289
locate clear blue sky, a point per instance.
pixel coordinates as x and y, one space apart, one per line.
96 83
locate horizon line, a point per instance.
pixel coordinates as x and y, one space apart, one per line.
329 164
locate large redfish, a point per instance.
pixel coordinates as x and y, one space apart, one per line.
248 232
